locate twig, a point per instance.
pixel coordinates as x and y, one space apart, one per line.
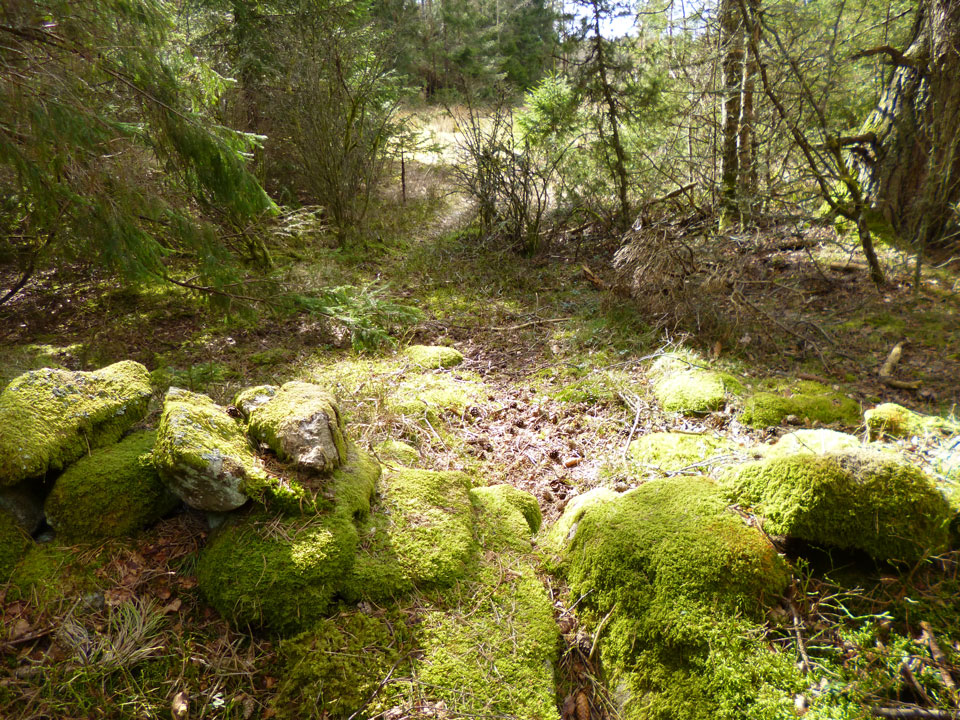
940 659
600 627
797 630
636 422
911 678
914 713
886 371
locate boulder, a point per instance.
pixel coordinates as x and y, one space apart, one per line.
892 420
682 384
508 517
671 451
866 499
810 402
253 397
281 574
433 356
815 441
112 492
674 588
301 423
203 455
50 418
397 452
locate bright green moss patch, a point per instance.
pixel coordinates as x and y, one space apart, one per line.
352 485
682 384
280 574
433 356
508 517
892 420
809 401
204 457
431 524
866 499
50 418
433 396
494 651
818 441
14 544
671 451
50 574
682 583
253 397
301 423
562 531
334 668
397 452
113 492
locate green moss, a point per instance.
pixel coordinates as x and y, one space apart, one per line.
682 584
113 492
14 544
397 452
251 397
433 396
819 441
682 383
557 536
433 356
18 359
353 484
50 418
670 451
204 457
866 499
301 423
508 517
49 574
334 668
892 420
809 401
276 573
493 653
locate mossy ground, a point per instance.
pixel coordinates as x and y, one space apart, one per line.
809 401
671 452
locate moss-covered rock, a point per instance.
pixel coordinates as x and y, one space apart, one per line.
49 574
866 499
494 652
892 420
337 666
508 516
433 356
50 418
397 452
682 383
809 401
301 423
282 574
816 441
14 544
253 397
558 535
113 492
672 451
352 485
25 503
675 586
433 396
203 455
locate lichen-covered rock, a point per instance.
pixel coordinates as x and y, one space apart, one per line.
50 418
25 503
14 544
301 423
112 492
817 441
203 455
892 420
334 669
808 401
253 397
683 384
433 356
494 652
671 451
866 499
508 517
281 574
397 452
675 586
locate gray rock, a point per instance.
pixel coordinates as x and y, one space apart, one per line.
24 502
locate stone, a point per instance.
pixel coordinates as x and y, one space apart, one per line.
302 424
50 418
202 453
25 503
433 356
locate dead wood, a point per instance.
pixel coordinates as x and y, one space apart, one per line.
889 365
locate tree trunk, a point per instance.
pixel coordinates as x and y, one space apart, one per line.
731 50
746 138
913 180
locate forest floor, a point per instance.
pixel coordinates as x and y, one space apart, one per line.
561 361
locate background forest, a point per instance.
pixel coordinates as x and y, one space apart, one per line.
635 271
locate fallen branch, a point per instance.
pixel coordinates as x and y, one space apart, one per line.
594 280
913 713
798 632
886 371
940 659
